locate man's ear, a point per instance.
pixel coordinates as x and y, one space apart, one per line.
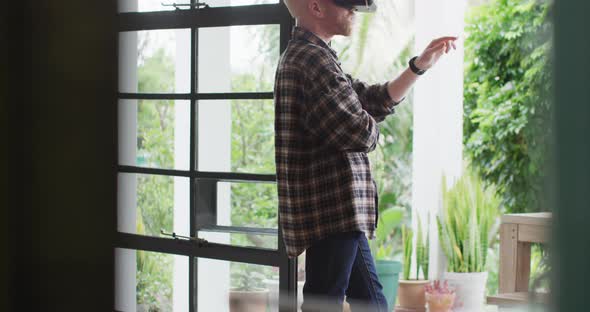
316 8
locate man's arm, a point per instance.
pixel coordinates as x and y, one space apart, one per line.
400 86
375 98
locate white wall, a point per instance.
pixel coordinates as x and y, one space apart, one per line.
125 260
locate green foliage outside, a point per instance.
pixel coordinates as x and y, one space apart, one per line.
155 148
390 220
507 109
248 277
154 281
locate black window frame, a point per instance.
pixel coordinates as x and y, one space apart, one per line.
195 17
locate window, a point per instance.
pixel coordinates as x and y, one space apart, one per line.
197 197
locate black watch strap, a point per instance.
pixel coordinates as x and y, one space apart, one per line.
413 67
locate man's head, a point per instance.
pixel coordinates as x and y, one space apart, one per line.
322 15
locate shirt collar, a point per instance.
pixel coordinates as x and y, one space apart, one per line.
300 33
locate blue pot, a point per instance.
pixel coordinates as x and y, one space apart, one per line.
388 272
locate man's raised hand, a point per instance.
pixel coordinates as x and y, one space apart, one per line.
434 51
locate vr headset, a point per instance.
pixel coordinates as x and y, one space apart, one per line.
367 6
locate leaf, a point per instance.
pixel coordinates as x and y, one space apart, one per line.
387 199
390 218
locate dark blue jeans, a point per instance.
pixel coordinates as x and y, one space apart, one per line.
341 265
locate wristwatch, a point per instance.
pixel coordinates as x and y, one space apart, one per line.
413 67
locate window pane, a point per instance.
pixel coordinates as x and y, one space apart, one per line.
159 281
242 129
237 286
238 58
154 61
219 3
148 204
242 205
252 205
145 5
154 133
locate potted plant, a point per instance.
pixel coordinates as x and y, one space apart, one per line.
388 270
439 296
465 228
411 288
247 293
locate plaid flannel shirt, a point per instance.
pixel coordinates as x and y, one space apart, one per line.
325 124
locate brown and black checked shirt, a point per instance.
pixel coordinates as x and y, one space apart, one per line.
325 124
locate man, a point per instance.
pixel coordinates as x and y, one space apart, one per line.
325 124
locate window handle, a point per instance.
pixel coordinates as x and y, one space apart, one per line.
178 5
201 242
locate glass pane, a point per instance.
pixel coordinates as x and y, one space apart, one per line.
237 286
252 205
154 61
242 129
238 204
238 58
151 281
241 239
220 3
154 133
148 204
146 5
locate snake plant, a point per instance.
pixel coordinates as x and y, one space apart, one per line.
422 251
470 209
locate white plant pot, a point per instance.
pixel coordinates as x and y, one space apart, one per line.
273 294
470 289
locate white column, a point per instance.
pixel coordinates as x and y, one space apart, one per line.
180 288
125 260
438 116
214 127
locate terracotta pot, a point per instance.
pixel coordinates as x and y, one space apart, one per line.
411 294
440 302
248 301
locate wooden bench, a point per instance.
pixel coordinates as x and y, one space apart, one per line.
517 233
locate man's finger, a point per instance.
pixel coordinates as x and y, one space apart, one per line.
440 46
438 40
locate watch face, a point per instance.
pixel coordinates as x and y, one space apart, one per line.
358 5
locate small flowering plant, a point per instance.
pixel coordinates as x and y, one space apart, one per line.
439 296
